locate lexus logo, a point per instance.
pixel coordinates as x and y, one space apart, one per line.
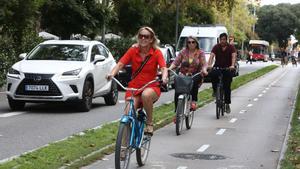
37 78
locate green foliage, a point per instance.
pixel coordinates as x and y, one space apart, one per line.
132 15
66 17
197 14
17 33
118 47
274 19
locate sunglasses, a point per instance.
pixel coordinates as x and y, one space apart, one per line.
191 42
141 36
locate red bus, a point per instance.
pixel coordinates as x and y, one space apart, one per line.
259 49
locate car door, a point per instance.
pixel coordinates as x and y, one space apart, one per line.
99 71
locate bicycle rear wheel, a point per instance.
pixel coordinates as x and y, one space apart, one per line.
143 151
179 115
123 149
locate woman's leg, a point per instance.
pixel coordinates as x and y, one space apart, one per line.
194 92
148 98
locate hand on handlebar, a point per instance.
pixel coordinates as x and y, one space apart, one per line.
231 68
165 80
109 76
204 73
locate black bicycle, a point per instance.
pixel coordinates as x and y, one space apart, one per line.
183 86
220 97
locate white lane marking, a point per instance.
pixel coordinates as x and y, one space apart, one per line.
260 95
242 111
264 91
121 101
255 99
267 88
1 135
182 167
11 114
203 148
249 105
233 120
221 131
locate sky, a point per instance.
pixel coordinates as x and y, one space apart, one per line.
275 2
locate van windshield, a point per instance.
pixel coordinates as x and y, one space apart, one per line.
206 43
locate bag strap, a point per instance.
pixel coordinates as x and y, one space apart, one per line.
140 68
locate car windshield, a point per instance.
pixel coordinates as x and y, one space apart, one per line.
62 52
206 43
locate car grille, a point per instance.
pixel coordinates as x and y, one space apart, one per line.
38 79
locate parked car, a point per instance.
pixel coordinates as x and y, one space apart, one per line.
62 71
168 54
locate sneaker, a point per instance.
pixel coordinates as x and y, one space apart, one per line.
193 106
227 108
149 129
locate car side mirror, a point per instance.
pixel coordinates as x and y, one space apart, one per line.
99 58
22 55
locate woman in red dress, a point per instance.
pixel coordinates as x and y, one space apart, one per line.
146 47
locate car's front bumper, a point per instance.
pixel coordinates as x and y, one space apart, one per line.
61 88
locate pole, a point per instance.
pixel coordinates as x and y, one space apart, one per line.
177 15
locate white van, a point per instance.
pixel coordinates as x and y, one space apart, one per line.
207 35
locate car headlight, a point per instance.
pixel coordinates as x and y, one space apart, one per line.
13 71
72 72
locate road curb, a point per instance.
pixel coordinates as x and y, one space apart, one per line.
286 137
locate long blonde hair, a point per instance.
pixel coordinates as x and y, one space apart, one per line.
153 36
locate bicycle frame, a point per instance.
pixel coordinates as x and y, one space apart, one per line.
220 103
131 117
184 113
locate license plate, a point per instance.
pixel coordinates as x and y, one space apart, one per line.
36 87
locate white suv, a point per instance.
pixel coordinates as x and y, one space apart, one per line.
62 70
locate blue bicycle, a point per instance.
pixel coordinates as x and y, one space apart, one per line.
131 135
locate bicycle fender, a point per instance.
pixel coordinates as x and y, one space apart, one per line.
181 96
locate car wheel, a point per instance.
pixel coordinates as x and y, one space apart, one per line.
112 97
87 96
16 104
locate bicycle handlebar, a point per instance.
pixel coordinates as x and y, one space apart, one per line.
134 89
191 76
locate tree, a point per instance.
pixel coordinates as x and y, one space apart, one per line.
238 22
66 17
276 23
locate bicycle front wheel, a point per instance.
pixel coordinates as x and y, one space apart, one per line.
143 151
222 101
123 149
179 115
189 118
218 102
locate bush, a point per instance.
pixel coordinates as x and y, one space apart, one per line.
118 47
9 51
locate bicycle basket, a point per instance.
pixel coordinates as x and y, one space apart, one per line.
183 84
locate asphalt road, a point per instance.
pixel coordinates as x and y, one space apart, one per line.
40 124
251 137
